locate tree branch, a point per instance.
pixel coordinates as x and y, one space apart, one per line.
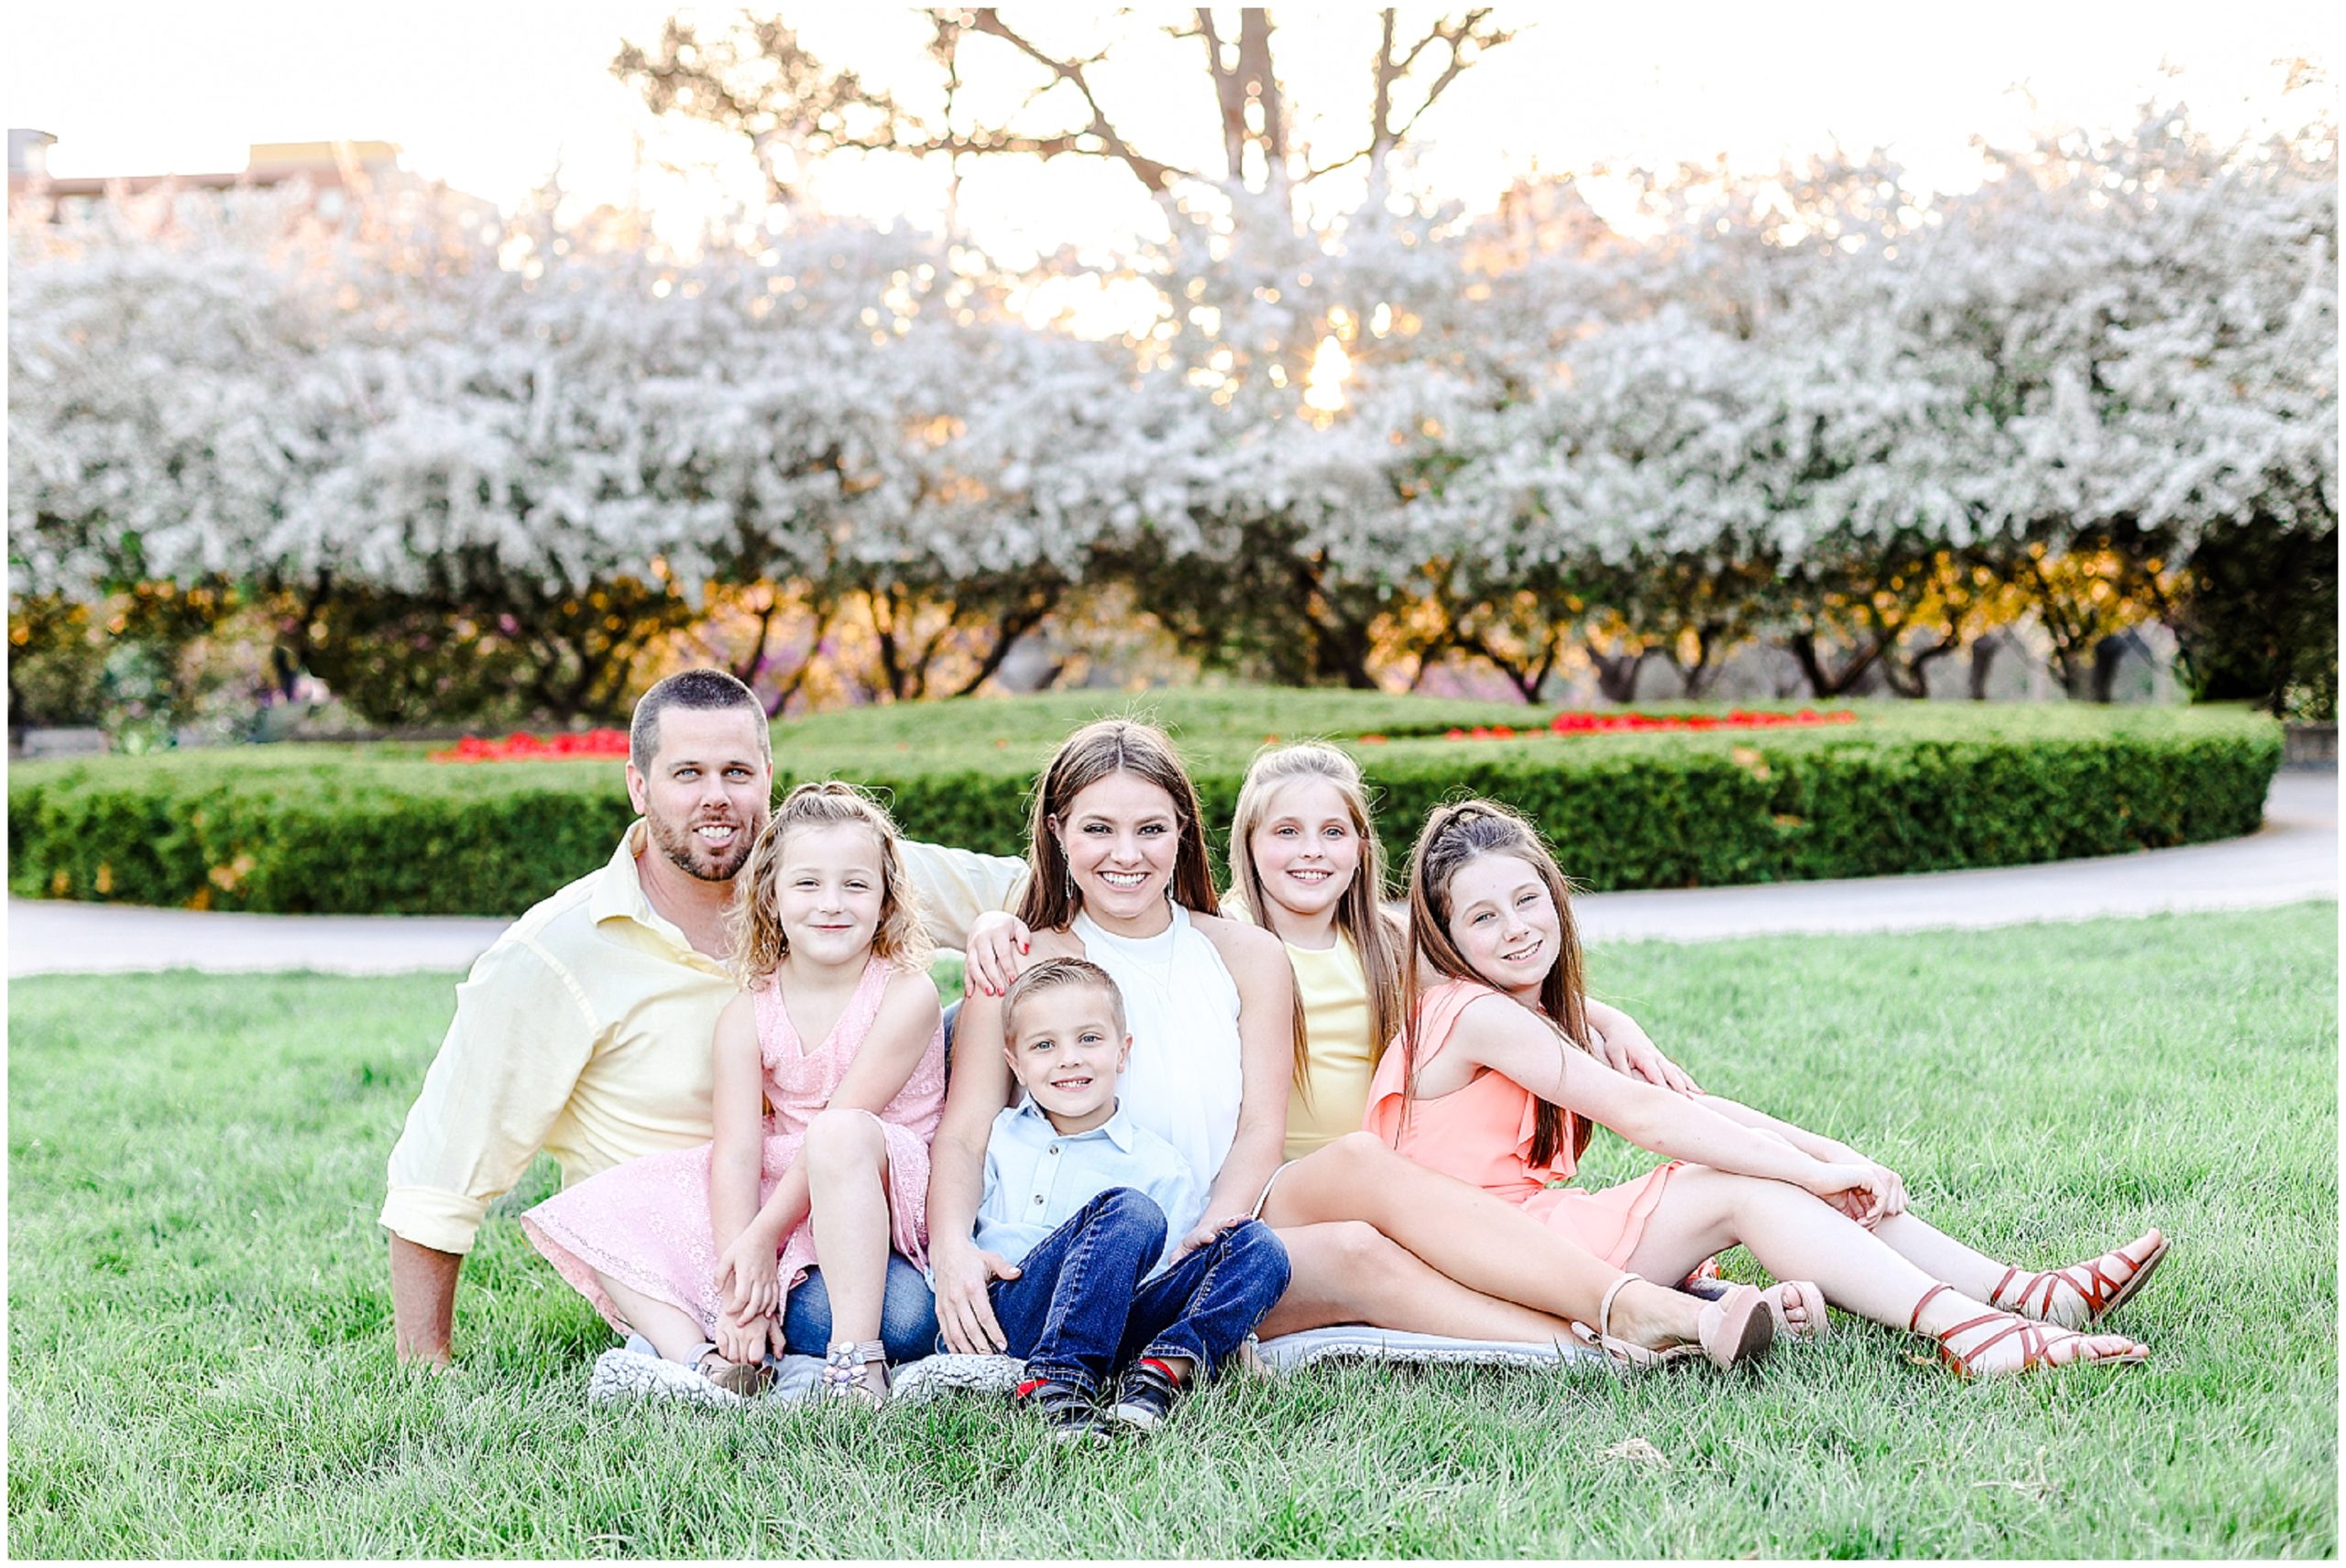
1465 38
1158 176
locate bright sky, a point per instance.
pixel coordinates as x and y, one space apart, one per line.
492 95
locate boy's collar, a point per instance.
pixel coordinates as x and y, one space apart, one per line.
1118 1127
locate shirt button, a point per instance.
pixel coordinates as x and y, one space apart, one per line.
1038 1198
1054 1148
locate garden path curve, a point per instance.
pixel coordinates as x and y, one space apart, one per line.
2293 857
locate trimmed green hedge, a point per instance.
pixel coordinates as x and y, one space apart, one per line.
1912 786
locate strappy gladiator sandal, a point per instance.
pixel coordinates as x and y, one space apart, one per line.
2093 1289
748 1379
843 1371
1735 1329
2037 1343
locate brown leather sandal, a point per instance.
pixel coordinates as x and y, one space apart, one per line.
748 1379
2097 1290
2037 1343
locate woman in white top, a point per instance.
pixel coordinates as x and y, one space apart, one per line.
1119 875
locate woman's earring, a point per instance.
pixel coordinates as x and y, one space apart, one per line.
1067 876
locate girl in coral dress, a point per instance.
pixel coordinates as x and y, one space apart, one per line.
829 1082
1490 1082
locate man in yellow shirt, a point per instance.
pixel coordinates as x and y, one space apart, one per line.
585 1031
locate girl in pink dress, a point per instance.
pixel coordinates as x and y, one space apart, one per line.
829 1082
1489 1083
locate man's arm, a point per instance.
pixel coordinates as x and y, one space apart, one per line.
513 1053
956 886
423 1300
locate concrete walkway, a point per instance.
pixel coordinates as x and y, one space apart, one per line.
2295 856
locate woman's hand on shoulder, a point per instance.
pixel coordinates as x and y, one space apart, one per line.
996 949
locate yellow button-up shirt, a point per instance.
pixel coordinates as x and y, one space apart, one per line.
585 1031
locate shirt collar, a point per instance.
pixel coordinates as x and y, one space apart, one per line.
618 892
1117 1129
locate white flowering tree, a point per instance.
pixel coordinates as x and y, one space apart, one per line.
1811 407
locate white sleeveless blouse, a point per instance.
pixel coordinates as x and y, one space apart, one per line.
1184 1082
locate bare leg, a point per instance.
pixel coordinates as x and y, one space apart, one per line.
1796 1236
1347 1272
2056 1296
1940 1256
847 1174
1475 1239
674 1331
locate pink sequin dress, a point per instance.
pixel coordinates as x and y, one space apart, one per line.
646 1223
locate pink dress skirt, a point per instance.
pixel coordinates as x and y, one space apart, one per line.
646 1224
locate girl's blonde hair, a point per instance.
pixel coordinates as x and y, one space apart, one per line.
1361 918
754 926
1455 835
1098 751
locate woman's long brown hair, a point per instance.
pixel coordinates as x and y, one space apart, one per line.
1361 918
1455 835
1099 750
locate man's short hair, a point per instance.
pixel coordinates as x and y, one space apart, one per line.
1052 974
702 691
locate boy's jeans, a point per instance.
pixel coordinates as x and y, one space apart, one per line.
1078 1310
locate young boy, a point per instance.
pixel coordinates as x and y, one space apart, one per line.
1083 1202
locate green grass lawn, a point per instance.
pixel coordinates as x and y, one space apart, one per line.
199 1324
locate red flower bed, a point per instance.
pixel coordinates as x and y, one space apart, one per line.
519 747
1584 723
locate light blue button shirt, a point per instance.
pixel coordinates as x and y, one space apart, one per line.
1036 1177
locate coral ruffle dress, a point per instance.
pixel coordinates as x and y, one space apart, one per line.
646 1223
1481 1135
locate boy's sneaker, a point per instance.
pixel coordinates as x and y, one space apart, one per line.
1066 1410
1145 1394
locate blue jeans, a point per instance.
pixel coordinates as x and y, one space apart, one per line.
1078 1310
907 1314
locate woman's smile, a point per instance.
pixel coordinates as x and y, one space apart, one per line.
1122 838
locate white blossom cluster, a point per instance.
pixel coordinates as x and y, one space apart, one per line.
2134 333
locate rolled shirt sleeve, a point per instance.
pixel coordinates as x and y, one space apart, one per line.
956 886
522 1034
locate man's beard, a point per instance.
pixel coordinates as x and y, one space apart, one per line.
682 847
